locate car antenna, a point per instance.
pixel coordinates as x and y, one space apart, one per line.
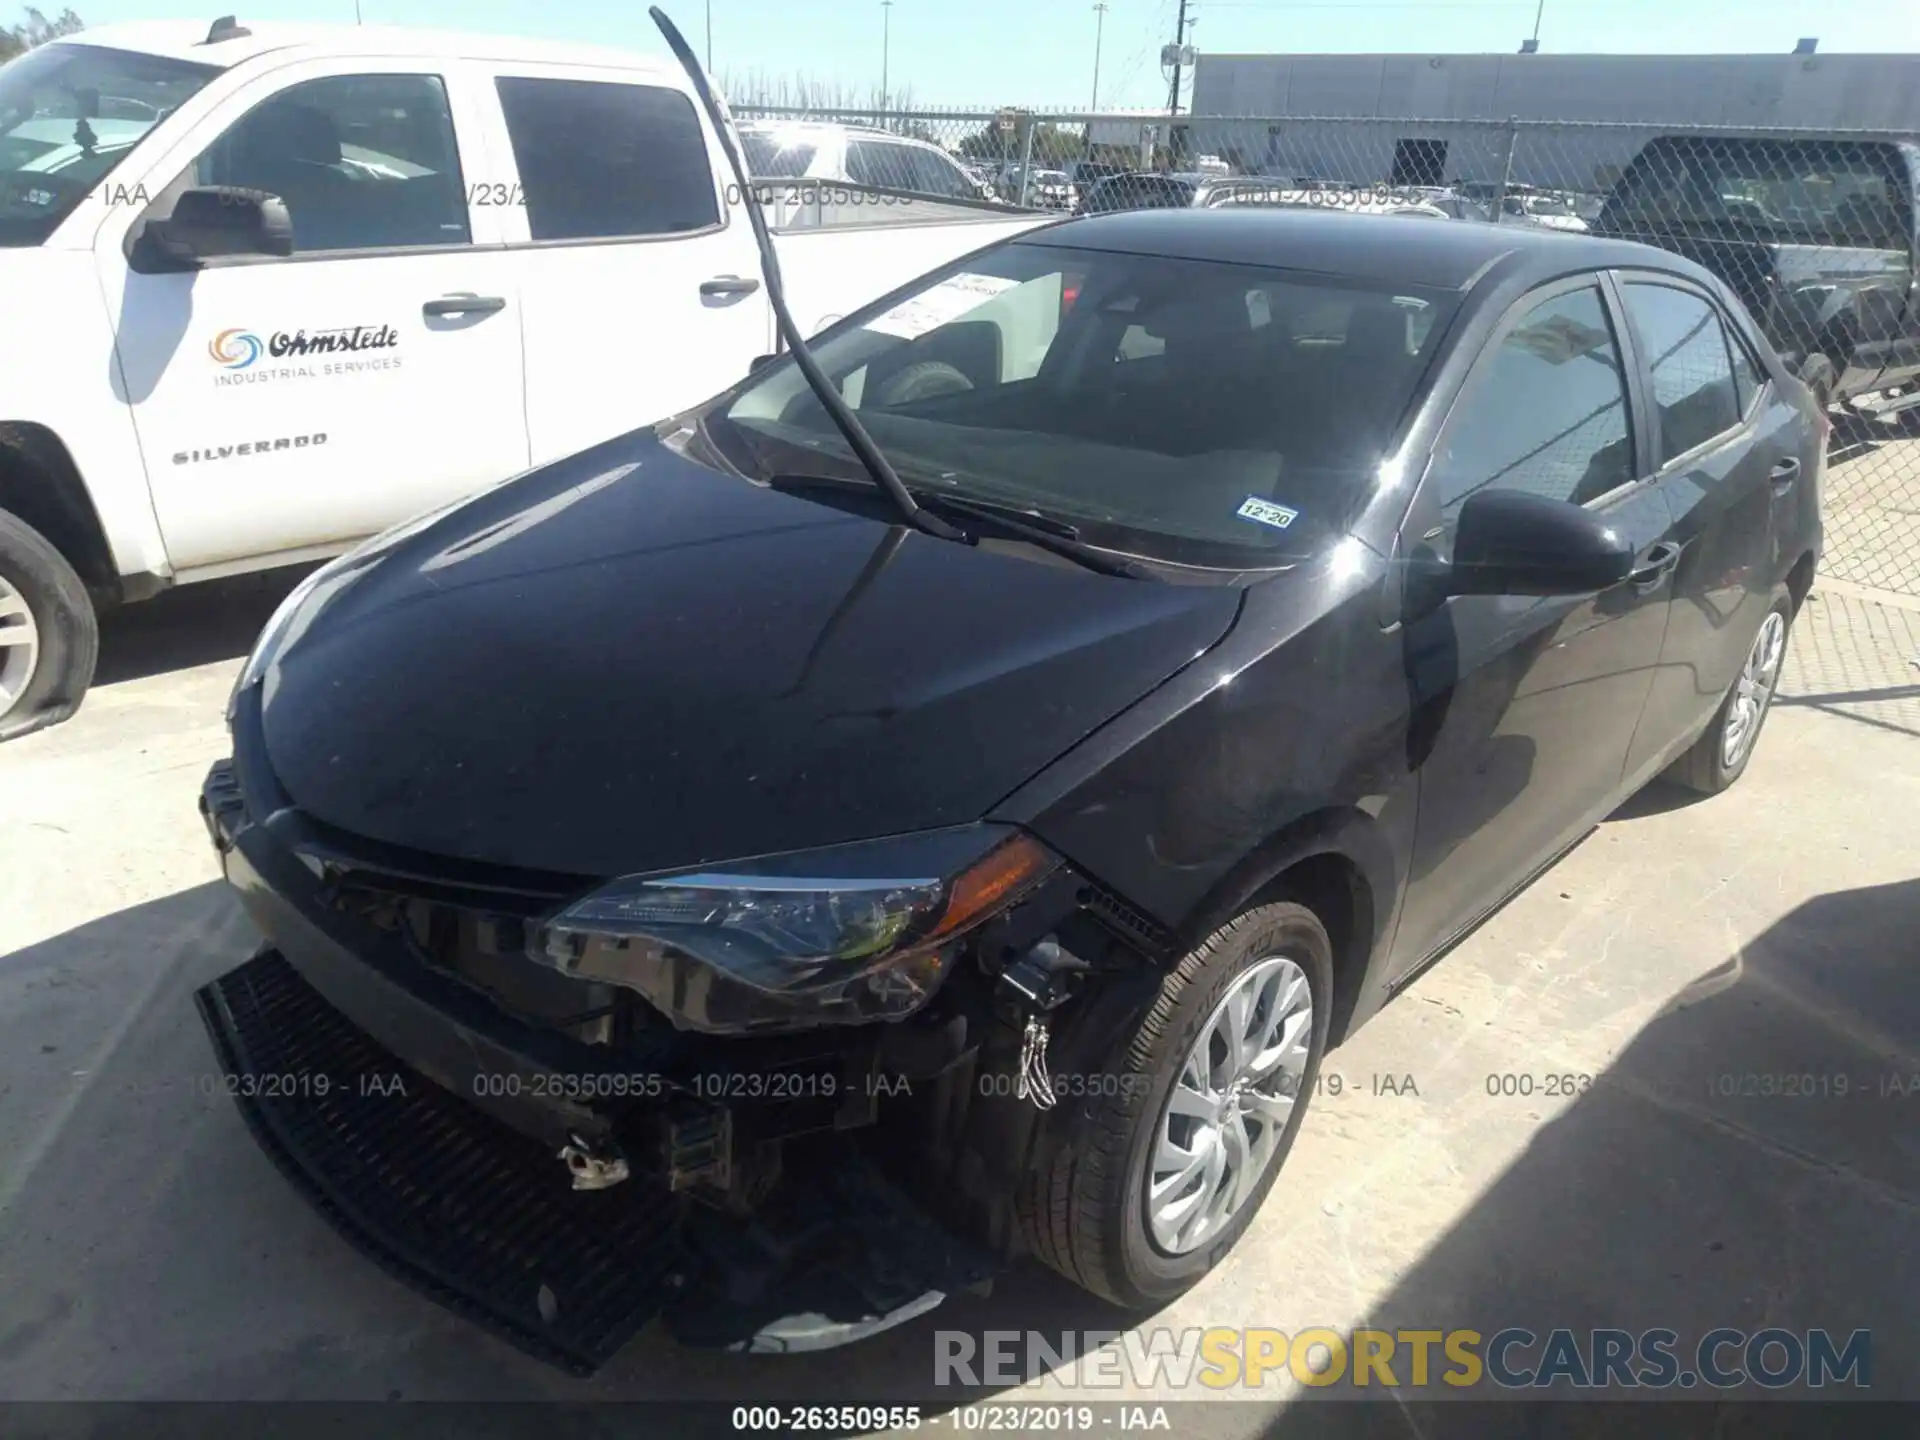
843 417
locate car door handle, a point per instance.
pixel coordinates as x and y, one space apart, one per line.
729 285
463 305
1654 565
1784 472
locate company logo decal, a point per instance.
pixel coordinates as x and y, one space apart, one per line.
245 359
235 349
249 447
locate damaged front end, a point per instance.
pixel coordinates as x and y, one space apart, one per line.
784 1107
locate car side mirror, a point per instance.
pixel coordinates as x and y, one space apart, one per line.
1510 542
760 362
212 221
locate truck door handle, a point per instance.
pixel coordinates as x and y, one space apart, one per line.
1654 565
729 285
1784 472
463 305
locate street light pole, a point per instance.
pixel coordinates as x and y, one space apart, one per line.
886 43
709 37
1099 25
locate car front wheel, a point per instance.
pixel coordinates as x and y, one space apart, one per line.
1162 1150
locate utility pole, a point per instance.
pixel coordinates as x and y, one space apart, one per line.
1099 25
1179 42
886 43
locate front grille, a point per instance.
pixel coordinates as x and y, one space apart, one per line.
451 1202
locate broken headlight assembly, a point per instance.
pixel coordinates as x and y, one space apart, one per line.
842 935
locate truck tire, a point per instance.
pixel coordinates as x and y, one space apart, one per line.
49 636
1102 1198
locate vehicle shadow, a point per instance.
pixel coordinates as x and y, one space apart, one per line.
1751 1160
191 625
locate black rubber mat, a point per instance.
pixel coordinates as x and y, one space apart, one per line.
444 1197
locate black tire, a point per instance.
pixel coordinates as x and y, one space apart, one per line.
1082 1204
69 634
922 382
1703 767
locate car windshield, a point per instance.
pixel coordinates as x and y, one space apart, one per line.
68 115
1205 414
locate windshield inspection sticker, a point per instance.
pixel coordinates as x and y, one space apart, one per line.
1266 512
935 306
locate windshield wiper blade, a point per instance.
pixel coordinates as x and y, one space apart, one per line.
844 420
1055 536
1043 531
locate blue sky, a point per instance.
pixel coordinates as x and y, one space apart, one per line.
1040 52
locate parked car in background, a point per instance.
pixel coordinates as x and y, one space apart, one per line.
1016 838
1550 212
1192 190
1818 237
819 150
1049 190
335 277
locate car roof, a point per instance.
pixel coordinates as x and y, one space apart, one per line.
187 40
1365 247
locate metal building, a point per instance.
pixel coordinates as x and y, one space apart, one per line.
1852 92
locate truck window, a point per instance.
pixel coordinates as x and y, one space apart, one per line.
1686 351
602 161
1816 192
68 115
363 162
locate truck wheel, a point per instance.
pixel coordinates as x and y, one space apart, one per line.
1161 1151
49 637
1719 757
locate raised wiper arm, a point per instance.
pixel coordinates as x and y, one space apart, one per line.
837 409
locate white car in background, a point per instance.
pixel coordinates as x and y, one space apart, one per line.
855 155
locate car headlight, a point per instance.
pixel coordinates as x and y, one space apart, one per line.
845 935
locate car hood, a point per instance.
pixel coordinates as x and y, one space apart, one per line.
627 662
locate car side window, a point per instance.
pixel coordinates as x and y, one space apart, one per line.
874 162
363 162
605 160
1545 411
1685 349
1746 375
937 175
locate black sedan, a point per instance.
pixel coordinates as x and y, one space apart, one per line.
697 877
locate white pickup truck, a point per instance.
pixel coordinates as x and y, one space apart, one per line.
269 290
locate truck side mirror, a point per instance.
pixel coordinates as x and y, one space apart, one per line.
211 221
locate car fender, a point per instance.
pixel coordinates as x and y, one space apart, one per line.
59 379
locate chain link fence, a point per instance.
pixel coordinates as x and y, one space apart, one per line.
1815 231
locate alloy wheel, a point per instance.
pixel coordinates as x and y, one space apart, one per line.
19 645
1220 1129
1753 691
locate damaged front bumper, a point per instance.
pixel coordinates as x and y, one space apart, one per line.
560 1169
